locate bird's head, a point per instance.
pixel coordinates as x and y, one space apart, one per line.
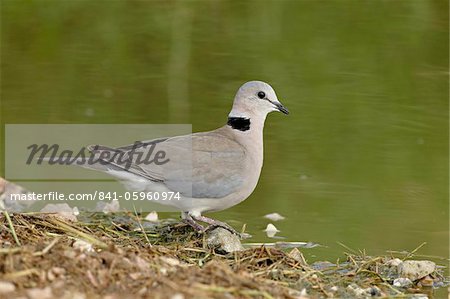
256 98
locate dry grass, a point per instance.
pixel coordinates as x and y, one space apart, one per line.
133 259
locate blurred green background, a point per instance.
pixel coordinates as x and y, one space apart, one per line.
363 157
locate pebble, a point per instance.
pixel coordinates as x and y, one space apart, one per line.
170 261
394 262
271 230
75 211
427 281
73 295
50 275
108 207
83 246
274 217
177 296
223 240
415 270
152 217
373 291
36 293
59 270
402 282
6 287
61 210
356 290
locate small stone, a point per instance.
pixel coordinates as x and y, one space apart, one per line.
50 275
36 293
402 282
75 211
6 287
82 246
59 270
170 261
373 291
271 230
415 270
163 271
427 281
274 217
177 296
223 240
394 262
135 275
152 217
107 207
142 291
60 210
7 189
356 290
73 295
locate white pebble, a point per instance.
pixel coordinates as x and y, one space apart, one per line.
83 246
6 287
402 282
274 217
152 217
271 230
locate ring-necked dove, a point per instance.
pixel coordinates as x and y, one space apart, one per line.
212 170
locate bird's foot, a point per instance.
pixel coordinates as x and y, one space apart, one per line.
227 227
191 222
216 223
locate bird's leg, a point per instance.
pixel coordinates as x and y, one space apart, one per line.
190 221
215 223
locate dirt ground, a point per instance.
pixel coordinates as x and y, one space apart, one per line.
118 256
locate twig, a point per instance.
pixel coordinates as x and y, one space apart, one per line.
410 254
141 227
10 250
81 234
348 248
47 248
17 274
11 226
419 255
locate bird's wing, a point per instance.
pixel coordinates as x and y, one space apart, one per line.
201 165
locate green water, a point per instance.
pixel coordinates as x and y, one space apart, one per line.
363 157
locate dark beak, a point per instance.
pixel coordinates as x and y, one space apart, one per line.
281 108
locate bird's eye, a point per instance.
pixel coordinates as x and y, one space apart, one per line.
261 95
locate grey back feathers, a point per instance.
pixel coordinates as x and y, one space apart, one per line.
200 165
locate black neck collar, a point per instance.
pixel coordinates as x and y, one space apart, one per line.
239 123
